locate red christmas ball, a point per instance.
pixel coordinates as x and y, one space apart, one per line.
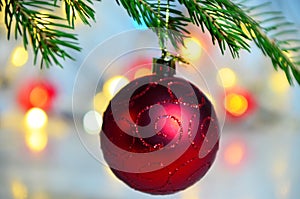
160 135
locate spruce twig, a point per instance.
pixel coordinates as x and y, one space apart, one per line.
231 24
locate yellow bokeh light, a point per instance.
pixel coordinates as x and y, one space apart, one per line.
142 72
236 104
226 78
36 118
234 153
19 57
101 102
38 96
192 49
92 122
40 195
113 85
279 83
36 140
19 190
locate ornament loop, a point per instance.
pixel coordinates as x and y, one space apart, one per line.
164 66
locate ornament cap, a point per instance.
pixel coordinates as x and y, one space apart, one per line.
164 66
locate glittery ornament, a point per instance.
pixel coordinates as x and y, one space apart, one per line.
160 133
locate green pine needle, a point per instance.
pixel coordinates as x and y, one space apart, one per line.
80 8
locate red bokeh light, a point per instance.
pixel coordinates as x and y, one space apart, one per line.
239 103
36 93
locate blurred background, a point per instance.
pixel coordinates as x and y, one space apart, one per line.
47 152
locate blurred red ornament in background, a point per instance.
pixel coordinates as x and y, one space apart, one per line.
38 93
239 103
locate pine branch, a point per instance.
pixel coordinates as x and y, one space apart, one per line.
229 24
153 14
271 46
225 21
45 32
1 5
78 7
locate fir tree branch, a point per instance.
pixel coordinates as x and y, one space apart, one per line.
153 14
229 24
45 32
80 8
1 5
267 38
225 21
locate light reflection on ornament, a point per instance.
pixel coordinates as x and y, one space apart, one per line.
19 190
101 102
113 85
36 139
192 49
36 118
236 104
19 57
226 78
92 122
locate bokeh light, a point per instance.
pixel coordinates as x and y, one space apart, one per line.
40 195
192 49
236 104
235 153
113 85
36 93
19 57
38 96
101 102
226 78
36 118
142 72
92 122
19 190
278 82
36 140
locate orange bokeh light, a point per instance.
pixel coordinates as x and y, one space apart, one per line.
235 153
36 93
38 96
236 104
239 103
